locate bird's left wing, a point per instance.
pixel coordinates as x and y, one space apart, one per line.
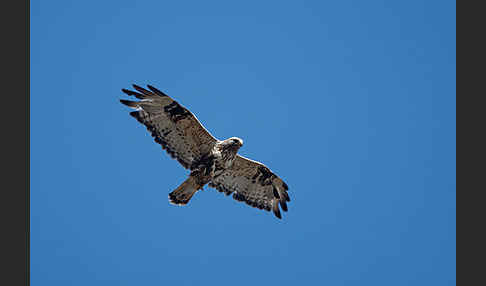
254 183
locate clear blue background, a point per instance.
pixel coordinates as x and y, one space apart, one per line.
351 102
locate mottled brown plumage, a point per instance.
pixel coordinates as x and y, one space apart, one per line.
210 160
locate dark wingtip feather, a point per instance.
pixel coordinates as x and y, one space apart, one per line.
136 114
286 195
129 103
283 204
275 193
156 91
276 210
130 92
285 186
141 89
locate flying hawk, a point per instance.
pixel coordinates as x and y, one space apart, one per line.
211 161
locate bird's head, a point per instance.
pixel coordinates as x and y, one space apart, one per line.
233 143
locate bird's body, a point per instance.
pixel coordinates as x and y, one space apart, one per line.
211 161
208 168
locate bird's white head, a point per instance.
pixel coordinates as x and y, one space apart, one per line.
233 143
236 141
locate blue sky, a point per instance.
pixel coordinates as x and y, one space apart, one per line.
352 103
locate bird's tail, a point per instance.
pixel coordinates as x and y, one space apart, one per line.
184 192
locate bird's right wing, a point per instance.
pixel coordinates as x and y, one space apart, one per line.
174 127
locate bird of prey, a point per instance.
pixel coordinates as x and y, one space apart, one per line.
210 161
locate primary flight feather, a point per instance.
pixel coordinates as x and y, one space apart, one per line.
211 161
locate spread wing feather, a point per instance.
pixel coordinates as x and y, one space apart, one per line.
174 127
253 183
